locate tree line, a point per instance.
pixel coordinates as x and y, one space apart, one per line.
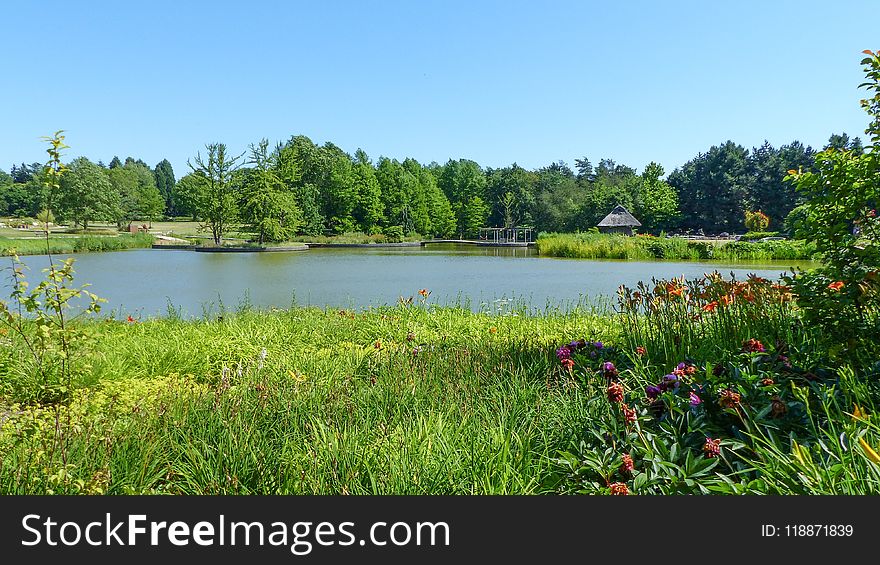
300 188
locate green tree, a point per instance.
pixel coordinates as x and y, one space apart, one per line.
86 194
164 177
267 207
842 192
217 199
368 209
657 204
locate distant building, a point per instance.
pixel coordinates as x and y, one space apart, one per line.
619 221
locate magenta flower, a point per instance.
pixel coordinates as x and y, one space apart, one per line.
694 399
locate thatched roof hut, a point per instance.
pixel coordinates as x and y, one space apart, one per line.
618 221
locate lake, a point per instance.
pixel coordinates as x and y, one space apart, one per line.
144 282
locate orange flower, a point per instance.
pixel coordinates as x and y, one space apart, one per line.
836 286
727 299
131 320
424 293
493 330
710 306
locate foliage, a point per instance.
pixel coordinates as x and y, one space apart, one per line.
842 193
216 188
268 209
611 246
86 195
756 221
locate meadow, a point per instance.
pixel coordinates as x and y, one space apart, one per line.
590 245
704 386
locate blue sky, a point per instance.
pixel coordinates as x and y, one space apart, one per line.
496 82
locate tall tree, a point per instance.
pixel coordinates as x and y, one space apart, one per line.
164 175
86 194
267 207
368 209
217 199
657 204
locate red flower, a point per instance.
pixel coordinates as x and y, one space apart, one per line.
131 320
641 351
627 466
629 414
619 489
568 364
753 346
712 447
836 286
729 399
615 393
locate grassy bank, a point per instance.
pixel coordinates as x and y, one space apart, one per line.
418 399
604 246
74 244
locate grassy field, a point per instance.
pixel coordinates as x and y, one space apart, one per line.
426 400
603 246
62 244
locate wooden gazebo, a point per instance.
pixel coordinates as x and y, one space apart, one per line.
619 221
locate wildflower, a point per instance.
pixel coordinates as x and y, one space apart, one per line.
785 361
778 408
872 214
669 382
710 306
694 399
568 364
377 344
836 286
615 393
131 320
712 447
729 399
574 345
424 293
563 353
417 349
410 336
629 414
598 345
609 369
753 346
652 391
641 351
627 466
493 330
619 489
768 381
727 299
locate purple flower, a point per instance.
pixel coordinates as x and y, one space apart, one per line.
593 355
682 366
574 345
652 391
563 353
695 400
608 367
669 381
598 344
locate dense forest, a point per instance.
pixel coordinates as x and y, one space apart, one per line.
300 188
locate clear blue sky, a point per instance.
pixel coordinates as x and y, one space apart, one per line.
497 82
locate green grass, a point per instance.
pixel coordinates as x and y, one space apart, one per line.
607 246
476 410
73 244
440 400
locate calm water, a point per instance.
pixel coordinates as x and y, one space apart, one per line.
143 282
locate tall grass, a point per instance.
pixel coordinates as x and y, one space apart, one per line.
70 244
399 400
613 246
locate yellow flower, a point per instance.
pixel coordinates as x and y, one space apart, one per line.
296 376
872 455
858 413
493 330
